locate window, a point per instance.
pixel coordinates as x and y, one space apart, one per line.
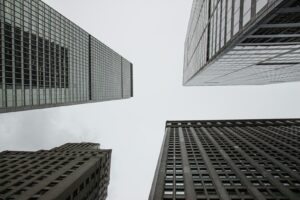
180 192
168 192
81 186
75 193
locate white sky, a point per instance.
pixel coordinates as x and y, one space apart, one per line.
151 35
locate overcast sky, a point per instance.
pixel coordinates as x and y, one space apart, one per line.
151 35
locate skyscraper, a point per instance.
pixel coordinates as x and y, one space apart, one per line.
229 160
47 60
71 171
242 42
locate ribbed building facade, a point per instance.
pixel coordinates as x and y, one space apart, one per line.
73 171
242 42
46 60
229 160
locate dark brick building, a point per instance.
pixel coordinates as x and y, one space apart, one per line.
71 171
229 160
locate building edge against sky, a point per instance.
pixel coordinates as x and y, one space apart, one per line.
70 171
239 42
229 159
47 61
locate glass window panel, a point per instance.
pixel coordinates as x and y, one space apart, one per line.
260 4
236 16
247 12
229 19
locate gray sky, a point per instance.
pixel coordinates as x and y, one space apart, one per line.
151 35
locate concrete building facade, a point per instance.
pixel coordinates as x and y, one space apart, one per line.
69 172
229 160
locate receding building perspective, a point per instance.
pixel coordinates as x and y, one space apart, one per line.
242 42
229 160
46 60
71 171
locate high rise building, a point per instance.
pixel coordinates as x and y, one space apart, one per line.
229 160
242 42
46 60
71 171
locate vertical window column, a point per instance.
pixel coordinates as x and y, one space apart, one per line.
2 58
28 56
188 180
90 68
19 67
208 31
254 191
209 166
58 61
159 183
35 55
8 48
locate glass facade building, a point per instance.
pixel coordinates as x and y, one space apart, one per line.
242 42
69 172
47 60
229 160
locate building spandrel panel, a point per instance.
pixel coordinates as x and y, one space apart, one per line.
46 60
225 38
229 159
